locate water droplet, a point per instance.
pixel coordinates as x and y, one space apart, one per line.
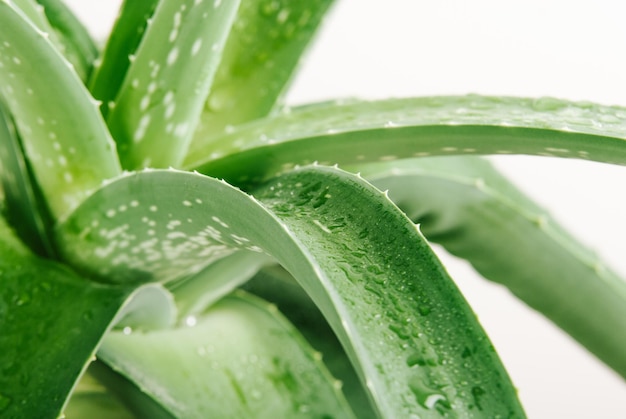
547 104
477 393
428 397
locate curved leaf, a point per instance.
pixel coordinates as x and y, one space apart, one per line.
276 285
64 137
263 49
473 211
358 132
168 81
239 359
51 321
194 295
414 341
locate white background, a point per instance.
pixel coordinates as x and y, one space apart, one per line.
568 49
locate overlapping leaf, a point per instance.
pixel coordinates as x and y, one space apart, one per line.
51 321
239 359
262 52
464 204
64 137
159 103
414 341
357 132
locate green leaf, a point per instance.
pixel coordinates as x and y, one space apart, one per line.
78 46
64 137
165 88
34 12
23 206
415 343
358 132
468 207
51 321
194 295
404 324
276 285
91 399
240 359
110 70
263 50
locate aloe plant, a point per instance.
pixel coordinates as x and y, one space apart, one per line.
176 242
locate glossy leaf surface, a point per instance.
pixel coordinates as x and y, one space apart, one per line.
468 207
401 319
239 359
51 321
357 132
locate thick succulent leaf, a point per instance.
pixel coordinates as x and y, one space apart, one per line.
51 321
194 295
78 47
261 54
239 359
166 86
416 344
124 391
357 132
23 206
475 213
110 70
91 399
276 285
64 137
404 324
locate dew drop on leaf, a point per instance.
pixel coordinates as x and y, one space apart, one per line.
547 104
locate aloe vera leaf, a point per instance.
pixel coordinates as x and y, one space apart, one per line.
111 68
194 295
358 132
163 93
277 286
263 50
23 207
34 12
79 47
239 359
134 400
91 399
64 137
476 214
404 324
51 321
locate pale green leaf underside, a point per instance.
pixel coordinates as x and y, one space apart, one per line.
163 93
404 324
357 132
263 49
63 134
51 321
195 294
239 359
464 204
